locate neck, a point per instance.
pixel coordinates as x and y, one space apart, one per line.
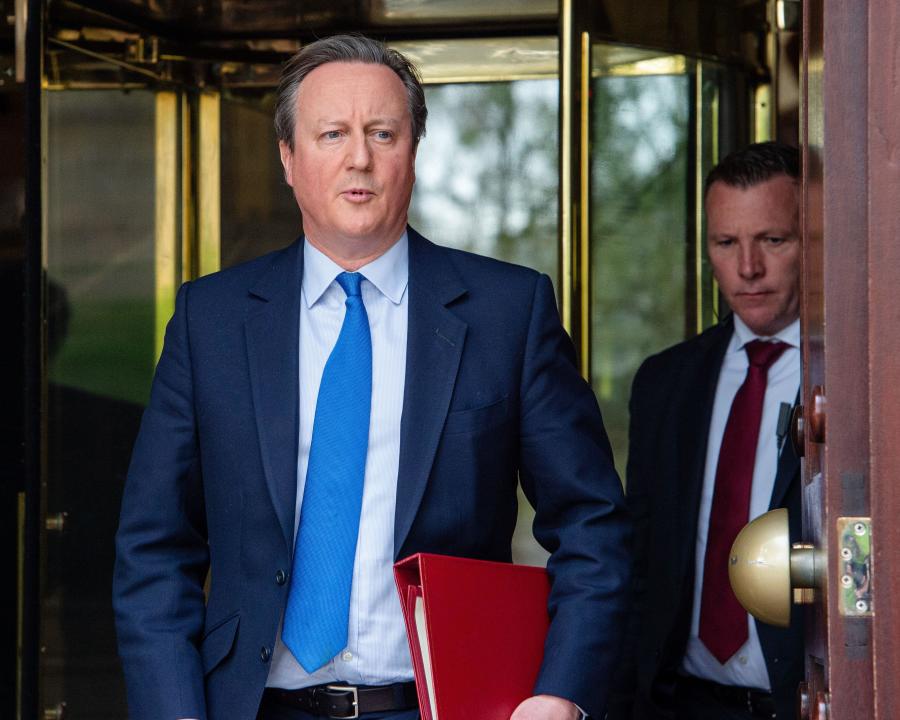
351 256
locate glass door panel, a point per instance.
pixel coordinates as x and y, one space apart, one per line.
639 206
259 213
655 131
101 306
486 172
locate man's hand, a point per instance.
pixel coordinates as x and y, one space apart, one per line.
546 707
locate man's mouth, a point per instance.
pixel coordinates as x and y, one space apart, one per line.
357 194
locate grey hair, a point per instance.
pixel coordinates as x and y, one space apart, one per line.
345 48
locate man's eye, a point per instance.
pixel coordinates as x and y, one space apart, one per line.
725 242
775 240
332 135
384 134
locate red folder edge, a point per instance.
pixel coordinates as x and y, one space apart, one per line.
412 634
486 624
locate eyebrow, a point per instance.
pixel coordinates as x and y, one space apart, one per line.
370 123
766 232
775 231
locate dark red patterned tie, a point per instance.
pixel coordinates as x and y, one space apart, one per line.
723 622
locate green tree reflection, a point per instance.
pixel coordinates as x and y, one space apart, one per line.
487 171
488 181
638 213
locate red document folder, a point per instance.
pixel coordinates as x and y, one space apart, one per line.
476 633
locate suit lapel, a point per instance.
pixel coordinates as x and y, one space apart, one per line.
272 330
694 419
434 346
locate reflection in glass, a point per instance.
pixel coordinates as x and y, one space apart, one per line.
100 248
486 172
469 60
654 136
258 210
101 299
639 204
422 11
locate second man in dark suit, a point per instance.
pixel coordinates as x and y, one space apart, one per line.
705 458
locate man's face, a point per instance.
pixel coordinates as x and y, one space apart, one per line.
754 249
353 164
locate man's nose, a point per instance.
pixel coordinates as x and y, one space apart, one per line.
750 261
359 154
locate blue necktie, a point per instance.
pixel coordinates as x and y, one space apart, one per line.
318 605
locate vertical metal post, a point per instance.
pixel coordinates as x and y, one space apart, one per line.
584 226
209 213
574 208
165 226
29 626
187 225
187 188
566 141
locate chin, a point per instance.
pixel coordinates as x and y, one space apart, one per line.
755 319
369 232
765 327
359 233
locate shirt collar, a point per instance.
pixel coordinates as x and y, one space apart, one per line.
743 334
389 272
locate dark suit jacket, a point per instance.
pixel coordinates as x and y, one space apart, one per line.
671 407
492 393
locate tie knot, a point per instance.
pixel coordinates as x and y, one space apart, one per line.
350 282
763 354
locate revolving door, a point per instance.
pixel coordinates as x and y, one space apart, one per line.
570 138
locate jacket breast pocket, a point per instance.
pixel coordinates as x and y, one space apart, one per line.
217 643
479 418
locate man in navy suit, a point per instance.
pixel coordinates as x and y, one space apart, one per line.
703 461
367 384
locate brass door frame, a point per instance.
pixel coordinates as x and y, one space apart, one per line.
188 202
574 175
578 34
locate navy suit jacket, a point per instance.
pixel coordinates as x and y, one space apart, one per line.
671 409
492 394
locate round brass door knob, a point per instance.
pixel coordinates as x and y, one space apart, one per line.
764 569
759 568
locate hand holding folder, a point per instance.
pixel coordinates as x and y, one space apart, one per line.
476 632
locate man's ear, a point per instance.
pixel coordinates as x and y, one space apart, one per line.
287 161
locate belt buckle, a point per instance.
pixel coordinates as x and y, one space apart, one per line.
355 702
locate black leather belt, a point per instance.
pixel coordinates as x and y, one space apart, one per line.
346 701
758 703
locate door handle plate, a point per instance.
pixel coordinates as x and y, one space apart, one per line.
855 548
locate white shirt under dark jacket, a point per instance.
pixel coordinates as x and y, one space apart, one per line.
377 652
747 667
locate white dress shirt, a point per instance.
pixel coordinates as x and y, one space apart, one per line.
377 652
747 667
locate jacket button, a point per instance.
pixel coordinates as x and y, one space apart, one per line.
264 654
281 577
